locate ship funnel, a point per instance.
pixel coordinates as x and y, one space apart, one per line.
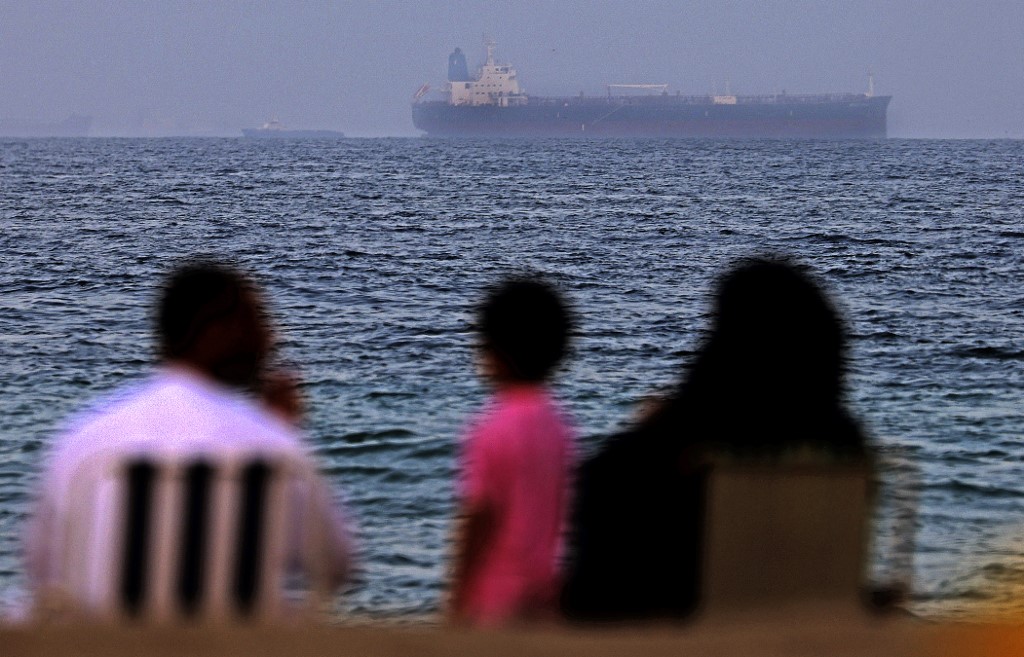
457 69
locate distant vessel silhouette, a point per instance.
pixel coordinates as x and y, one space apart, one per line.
76 125
274 129
492 104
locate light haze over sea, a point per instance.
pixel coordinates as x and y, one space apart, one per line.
180 67
373 251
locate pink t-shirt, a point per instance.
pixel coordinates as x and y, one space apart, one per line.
516 460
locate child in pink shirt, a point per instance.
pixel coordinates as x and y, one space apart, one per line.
516 461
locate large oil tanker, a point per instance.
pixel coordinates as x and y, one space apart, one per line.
491 104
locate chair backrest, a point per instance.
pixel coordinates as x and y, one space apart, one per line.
172 540
776 535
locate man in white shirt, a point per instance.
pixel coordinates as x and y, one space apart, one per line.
210 399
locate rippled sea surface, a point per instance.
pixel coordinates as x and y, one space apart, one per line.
374 251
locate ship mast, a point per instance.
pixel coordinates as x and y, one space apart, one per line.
491 44
871 84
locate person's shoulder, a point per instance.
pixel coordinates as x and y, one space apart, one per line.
491 432
493 409
110 403
89 429
256 425
624 443
202 414
623 452
536 403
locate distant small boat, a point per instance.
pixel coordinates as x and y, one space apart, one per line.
273 129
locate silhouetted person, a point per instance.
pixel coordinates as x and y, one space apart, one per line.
516 460
768 380
211 396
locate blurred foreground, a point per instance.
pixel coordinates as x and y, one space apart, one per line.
817 634
790 633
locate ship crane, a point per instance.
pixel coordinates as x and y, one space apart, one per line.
421 91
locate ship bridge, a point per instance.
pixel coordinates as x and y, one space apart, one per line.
495 84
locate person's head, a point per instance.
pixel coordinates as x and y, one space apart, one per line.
211 318
770 371
776 332
524 329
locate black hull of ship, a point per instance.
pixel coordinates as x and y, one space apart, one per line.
846 117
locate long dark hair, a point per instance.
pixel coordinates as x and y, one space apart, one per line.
769 375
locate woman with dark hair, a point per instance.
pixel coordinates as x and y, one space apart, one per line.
767 382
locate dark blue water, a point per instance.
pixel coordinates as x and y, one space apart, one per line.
373 252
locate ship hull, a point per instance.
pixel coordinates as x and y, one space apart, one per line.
848 116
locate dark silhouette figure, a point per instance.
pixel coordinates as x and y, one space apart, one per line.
212 319
767 380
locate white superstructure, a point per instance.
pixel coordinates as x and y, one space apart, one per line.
495 84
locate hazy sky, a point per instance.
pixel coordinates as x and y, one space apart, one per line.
955 68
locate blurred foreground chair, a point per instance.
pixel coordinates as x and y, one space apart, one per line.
162 540
784 535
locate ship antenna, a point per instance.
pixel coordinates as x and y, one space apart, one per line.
871 84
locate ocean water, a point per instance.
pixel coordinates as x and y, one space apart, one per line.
373 252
